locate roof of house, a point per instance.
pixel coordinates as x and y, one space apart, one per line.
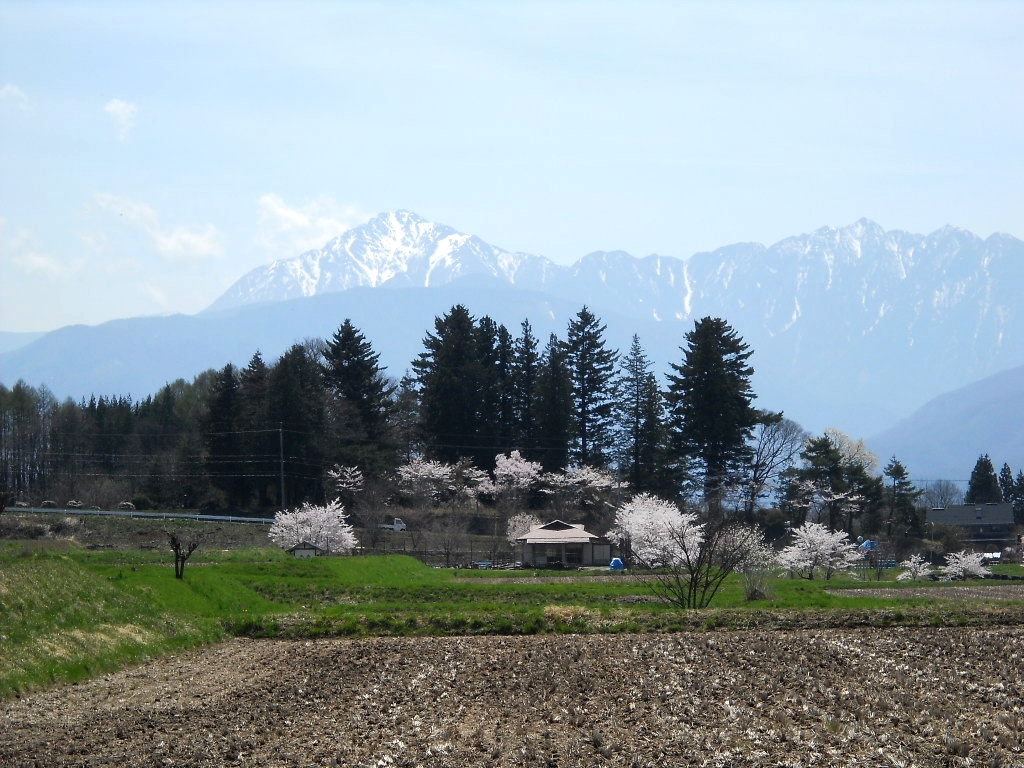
966 515
559 532
305 545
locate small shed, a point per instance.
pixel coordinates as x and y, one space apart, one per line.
985 526
306 549
563 545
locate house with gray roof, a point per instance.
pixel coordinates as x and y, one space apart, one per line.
563 545
986 527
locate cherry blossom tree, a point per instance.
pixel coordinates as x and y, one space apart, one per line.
758 563
964 565
916 568
817 548
519 525
687 558
344 480
515 474
325 526
425 480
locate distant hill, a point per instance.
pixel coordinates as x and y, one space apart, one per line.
946 436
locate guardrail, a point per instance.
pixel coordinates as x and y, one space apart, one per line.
137 513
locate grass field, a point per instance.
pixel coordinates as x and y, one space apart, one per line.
67 613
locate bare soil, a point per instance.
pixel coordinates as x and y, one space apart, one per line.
882 697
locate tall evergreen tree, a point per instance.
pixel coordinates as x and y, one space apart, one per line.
297 403
525 376
554 408
710 405
495 427
641 422
261 438
983 487
448 376
360 397
833 489
1006 483
1018 498
591 366
902 497
225 450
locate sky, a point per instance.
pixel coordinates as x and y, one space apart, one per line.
152 153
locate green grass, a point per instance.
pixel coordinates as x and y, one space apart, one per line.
68 613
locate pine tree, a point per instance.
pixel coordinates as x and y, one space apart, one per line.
225 451
641 421
591 366
297 402
448 377
496 415
710 402
1006 483
260 438
525 376
983 487
360 395
554 408
902 498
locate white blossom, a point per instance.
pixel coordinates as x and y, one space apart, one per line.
515 473
325 526
657 531
915 569
519 525
964 565
817 548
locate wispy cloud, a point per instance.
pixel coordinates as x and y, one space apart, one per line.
19 250
13 95
286 230
178 243
123 114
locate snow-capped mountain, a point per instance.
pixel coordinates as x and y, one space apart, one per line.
397 249
854 327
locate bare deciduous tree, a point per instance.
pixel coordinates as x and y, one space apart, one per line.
183 544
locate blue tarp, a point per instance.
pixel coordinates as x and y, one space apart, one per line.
616 564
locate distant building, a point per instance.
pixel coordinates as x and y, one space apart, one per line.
563 545
306 549
986 527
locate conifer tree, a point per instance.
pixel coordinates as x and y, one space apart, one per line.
448 377
360 397
983 487
554 408
225 450
591 367
525 377
640 416
1006 483
902 498
710 402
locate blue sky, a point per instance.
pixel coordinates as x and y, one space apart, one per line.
152 153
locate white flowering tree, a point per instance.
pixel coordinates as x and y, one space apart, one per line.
687 558
816 548
964 565
424 480
325 526
344 481
520 525
759 562
915 568
514 476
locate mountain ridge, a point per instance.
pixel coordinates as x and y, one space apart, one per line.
854 327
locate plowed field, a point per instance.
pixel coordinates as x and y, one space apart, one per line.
892 697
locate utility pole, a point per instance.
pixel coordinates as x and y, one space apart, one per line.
280 444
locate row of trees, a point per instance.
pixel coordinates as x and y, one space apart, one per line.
266 436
